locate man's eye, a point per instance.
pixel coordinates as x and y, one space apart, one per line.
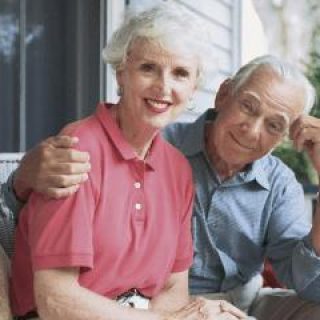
247 107
147 67
275 127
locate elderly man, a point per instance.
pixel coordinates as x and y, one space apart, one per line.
248 204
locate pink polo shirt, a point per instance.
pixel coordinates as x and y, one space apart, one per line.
127 227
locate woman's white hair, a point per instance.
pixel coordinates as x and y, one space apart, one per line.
283 69
166 24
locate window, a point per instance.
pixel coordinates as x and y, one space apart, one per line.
50 67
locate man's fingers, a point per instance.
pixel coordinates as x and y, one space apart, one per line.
71 168
58 193
306 137
62 141
302 126
49 156
62 149
63 181
79 156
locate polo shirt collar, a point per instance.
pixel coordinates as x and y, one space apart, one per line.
120 143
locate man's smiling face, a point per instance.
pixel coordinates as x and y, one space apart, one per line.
255 118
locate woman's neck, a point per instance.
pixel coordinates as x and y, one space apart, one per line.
138 136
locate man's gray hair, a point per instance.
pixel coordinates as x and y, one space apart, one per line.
165 24
282 68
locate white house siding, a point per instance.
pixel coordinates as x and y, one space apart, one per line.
222 18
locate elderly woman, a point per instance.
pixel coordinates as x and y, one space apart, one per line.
124 238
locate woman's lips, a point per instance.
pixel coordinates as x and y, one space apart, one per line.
158 106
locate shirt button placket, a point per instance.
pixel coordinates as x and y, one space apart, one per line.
137 185
138 206
138 203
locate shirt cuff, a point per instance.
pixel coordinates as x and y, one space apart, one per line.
10 199
306 264
307 241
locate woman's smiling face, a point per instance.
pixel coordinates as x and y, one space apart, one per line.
157 83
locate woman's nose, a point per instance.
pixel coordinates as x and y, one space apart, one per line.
163 84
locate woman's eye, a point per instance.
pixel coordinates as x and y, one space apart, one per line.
181 73
147 67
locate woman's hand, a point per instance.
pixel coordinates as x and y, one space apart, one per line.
203 309
220 310
191 311
52 168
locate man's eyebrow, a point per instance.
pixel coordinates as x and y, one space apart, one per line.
282 115
251 95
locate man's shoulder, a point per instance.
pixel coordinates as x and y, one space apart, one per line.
178 135
172 157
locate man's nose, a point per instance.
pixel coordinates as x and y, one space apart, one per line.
253 127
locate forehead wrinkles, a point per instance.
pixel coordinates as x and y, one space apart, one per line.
269 89
279 111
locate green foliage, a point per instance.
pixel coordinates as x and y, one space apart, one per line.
313 73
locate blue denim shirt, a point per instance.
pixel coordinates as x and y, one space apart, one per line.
239 222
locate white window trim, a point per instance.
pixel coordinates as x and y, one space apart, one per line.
112 12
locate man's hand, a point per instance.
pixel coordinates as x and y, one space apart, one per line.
52 168
305 134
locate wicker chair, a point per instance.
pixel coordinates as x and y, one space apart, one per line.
8 162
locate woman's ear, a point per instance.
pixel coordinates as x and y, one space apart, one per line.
119 76
223 94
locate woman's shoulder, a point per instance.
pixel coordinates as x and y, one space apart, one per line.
88 130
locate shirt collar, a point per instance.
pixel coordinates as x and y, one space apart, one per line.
256 172
125 150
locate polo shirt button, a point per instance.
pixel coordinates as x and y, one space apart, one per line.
138 206
137 185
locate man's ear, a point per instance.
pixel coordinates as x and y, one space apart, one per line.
223 94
